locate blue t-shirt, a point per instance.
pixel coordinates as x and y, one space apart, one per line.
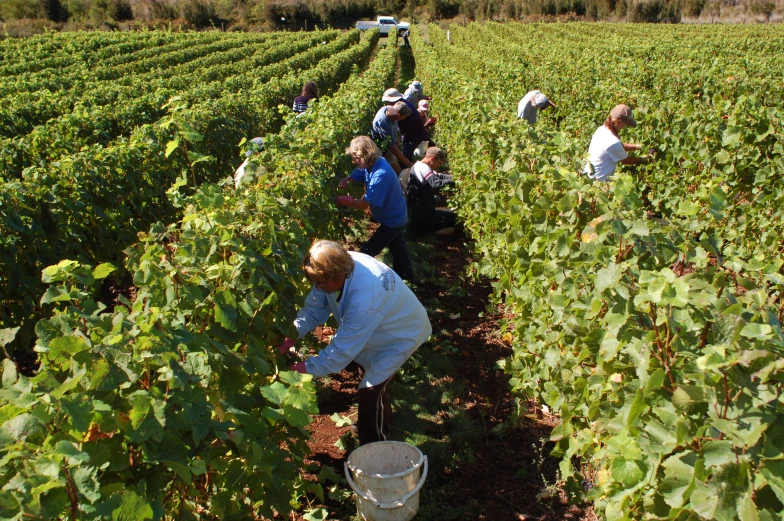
384 130
383 193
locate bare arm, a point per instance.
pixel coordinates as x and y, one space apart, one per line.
631 147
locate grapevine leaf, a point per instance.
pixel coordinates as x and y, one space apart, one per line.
226 310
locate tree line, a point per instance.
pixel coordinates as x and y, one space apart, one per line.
278 14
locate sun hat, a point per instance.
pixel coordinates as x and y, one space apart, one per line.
623 113
391 96
435 152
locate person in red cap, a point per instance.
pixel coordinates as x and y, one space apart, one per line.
606 149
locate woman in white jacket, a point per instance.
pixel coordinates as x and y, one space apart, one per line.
380 325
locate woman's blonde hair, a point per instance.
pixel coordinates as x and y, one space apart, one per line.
362 147
327 261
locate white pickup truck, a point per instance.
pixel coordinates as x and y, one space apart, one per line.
384 23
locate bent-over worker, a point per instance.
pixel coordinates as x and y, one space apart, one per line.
380 325
606 149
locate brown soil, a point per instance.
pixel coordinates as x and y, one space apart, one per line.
504 474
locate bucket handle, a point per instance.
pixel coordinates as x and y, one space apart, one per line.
385 506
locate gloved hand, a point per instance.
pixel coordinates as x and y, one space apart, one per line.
344 200
343 183
298 367
646 159
285 347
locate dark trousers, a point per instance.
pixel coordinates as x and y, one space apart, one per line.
438 220
395 239
375 412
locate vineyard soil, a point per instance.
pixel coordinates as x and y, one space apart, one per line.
476 454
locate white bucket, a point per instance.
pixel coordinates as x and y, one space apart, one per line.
386 480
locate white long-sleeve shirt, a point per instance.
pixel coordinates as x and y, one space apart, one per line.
380 322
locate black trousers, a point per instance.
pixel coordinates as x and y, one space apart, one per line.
394 238
375 412
438 220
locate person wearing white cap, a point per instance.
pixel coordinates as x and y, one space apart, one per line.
606 149
384 132
255 145
531 103
423 107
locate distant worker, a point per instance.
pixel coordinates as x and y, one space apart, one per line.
254 145
415 93
413 134
606 149
309 93
385 133
421 192
405 34
423 108
384 197
380 322
530 104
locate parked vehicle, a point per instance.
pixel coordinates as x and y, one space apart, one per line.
384 23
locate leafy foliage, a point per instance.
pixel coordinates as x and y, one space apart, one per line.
175 403
648 310
90 205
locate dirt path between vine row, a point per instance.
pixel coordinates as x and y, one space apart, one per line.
483 467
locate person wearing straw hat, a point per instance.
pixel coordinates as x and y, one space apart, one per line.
607 150
531 103
380 321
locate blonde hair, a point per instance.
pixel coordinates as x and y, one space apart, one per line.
327 261
362 147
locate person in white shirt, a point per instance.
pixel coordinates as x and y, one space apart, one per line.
255 145
380 325
530 104
606 149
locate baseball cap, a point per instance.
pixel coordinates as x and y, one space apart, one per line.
399 107
424 104
623 113
435 152
541 101
416 85
391 96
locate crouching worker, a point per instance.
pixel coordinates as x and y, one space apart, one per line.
380 325
422 194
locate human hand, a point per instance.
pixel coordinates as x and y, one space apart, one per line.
343 183
344 200
298 367
285 346
431 122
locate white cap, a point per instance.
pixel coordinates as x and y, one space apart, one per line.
541 101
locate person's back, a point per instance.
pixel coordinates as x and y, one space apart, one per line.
412 131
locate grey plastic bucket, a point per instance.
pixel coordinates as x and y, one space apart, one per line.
385 476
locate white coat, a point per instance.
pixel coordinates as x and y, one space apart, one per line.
380 322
